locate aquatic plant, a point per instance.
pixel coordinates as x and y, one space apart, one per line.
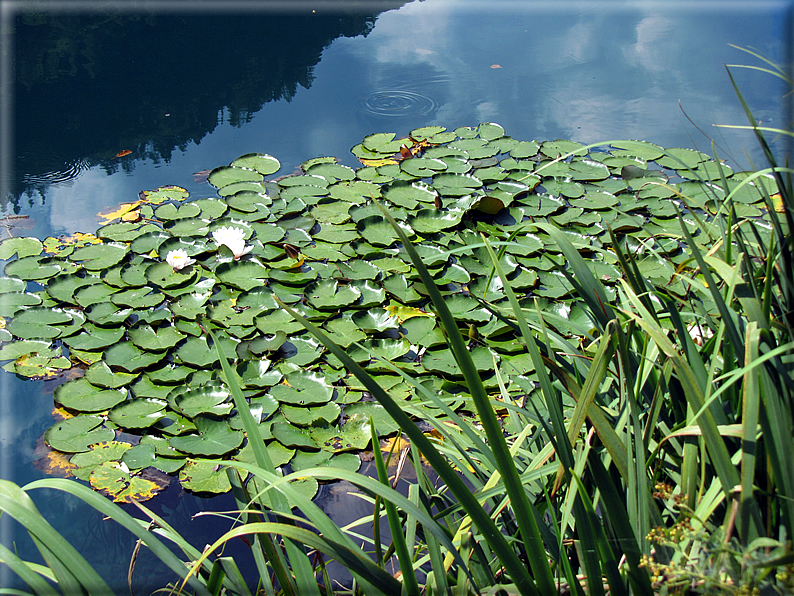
126 309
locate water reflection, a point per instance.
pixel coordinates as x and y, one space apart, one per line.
187 92
89 85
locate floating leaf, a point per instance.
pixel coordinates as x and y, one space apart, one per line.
203 477
76 434
137 413
302 388
215 437
22 247
82 396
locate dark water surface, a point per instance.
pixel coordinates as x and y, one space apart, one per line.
186 87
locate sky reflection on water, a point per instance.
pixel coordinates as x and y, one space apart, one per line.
588 72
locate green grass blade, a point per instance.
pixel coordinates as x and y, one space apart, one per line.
72 570
613 503
303 579
353 559
398 539
594 535
39 585
468 501
110 509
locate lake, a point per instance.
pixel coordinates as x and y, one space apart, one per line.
101 104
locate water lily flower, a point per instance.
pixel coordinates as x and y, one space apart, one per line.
178 259
233 239
699 334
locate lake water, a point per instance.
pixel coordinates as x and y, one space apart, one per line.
185 90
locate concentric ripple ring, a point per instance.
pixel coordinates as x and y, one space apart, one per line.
397 102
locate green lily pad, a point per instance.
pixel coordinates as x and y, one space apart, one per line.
206 399
329 294
303 388
245 275
35 268
260 162
225 175
292 436
39 323
430 221
374 320
141 412
145 455
215 437
360 413
22 247
94 337
203 477
82 396
156 340
100 375
302 416
96 257
137 298
127 356
74 435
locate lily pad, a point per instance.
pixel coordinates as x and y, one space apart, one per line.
137 413
303 388
77 434
80 395
215 437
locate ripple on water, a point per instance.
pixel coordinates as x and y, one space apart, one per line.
68 171
398 102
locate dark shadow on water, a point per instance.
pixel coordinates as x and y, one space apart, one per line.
90 85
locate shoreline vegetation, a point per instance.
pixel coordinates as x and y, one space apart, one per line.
602 382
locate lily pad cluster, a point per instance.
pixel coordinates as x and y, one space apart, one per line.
130 305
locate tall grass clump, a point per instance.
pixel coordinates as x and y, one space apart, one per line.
650 454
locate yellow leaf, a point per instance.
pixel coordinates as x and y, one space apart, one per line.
404 313
2 323
131 216
114 213
378 162
50 461
61 414
777 201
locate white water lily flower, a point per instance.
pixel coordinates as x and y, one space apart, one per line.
233 239
178 259
699 334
